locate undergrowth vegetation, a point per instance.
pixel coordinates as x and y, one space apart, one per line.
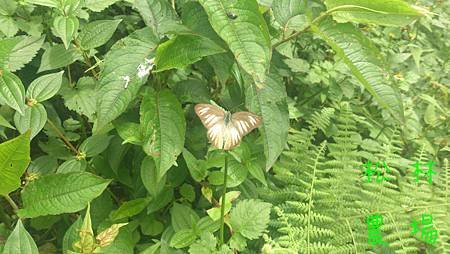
103 149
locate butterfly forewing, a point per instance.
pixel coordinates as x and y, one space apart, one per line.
245 122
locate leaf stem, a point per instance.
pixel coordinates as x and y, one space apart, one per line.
86 59
63 138
11 202
222 206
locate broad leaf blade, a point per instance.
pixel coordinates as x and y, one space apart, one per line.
381 12
12 91
65 27
23 52
247 35
20 241
362 57
130 208
99 5
34 118
162 120
258 211
57 56
285 10
60 193
45 87
97 33
156 13
14 159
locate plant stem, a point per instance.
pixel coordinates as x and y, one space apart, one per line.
61 135
222 206
11 202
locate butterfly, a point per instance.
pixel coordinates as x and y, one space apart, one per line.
226 130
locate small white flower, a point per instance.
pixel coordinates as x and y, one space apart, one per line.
127 80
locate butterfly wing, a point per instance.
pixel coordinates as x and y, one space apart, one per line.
212 118
245 122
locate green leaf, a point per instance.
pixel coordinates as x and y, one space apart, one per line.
45 87
247 35
206 244
149 177
60 193
99 5
258 211
81 98
237 173
192 90
95 145
164 126
122 60
34 118
57 56
183 217
71 236
23 52
194 46
65 28
381 12
14 159
72 165
285 10
8 26
183 238
197 168
5 123
156 13
130 208
8 7
20 241
48 3
12 92
97 33
271 103
257 172
363 59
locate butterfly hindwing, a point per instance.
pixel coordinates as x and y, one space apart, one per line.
245 122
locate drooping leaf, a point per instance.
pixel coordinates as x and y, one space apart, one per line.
23 52
95 144
195 47
97 33
14 159
130 208
99 5
164 126
65 28
34 118
81 98
121 61
60 193
156 13
258 211
247 35
363 59
12 91
57 56
5 123
20 241
381 12
149 176
45 87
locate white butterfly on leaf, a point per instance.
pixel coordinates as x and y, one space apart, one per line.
226 130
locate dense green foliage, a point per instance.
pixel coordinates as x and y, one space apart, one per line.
102 151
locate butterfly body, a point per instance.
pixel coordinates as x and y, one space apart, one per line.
226 130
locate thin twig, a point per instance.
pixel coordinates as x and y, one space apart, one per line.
11 202
61 135
222 206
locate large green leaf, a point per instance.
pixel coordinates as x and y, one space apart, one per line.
60 193
99 5
57 56
363 59
20 241
12 91
246 34
48 3
130 208
164 126
14 159
45 87
149 176
23 52
156 13
8 7
258 211
81 98
34 118
381 12
97 33
194 46
285 11
65 28
271 103
8 26
122 61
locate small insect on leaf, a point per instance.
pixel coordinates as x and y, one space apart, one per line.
231 15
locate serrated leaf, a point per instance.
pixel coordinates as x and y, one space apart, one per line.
6 46
60 193
20 241
258 211
14 159
48 3
156 13
130 208
34 118
65 28
381 12
97 33
122 60
57 56
164 126
45 87
363 59
95 144
12 91
183 238
7 7
183 217
8 26
99 5
195 47
81 98
23 52
285 10
247 35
